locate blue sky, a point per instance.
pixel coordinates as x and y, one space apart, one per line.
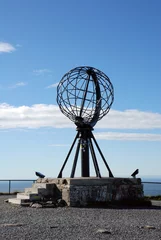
42 40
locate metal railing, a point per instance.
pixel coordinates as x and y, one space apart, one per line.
13 180
152 188
152 182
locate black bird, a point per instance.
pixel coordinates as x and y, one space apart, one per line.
40 175
135 173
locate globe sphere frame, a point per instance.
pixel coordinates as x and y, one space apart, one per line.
85 95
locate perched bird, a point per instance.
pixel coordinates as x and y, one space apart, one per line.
135 173
40 175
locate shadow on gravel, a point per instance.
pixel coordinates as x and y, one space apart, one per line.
126 204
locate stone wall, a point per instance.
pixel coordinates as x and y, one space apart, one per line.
85 191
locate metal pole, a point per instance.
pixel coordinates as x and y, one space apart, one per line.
84 153
60 173
110 173
94 159
75 160
9 185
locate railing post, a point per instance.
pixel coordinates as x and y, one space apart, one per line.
9 187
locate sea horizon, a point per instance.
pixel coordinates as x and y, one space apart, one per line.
150 189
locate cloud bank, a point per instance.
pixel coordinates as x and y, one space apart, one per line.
35 116
131 119
6 47
43 115
128 136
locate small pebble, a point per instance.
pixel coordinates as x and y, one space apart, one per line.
11 225
148 227
105 231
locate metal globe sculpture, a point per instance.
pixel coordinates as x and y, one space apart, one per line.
85 95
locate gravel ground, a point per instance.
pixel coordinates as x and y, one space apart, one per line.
77 223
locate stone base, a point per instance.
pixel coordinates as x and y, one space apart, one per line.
87 191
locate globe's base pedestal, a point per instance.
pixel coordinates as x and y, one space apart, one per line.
78 192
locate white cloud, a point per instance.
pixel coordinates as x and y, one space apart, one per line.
130 119
128 136
53 85
35 116
39 72
19 84
6 47
43 115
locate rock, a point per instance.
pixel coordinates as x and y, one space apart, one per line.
44 180
6 200
30 205
64 182
11 225
104 231
50 205
148 227
36 205
61 203
49 202
53 226
39 180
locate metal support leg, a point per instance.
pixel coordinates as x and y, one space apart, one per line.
94 159
60 173
110 173
85 143
75 160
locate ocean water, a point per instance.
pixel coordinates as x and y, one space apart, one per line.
15 186
150 189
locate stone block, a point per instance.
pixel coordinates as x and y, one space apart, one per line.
84 191
29 196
